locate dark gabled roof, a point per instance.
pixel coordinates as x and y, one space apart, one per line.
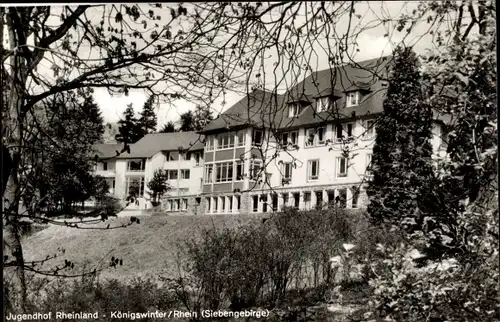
107 150
262 108
157 142
258 108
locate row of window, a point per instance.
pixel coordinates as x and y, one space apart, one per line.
229 140
174 174
324 104
317 136
341 167
313 168
234 171
223 204
231 171
177 204
172 156
261 203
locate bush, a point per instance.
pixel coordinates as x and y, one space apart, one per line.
89 295
257 264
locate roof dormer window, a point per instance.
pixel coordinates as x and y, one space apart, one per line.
352 99
325 104
294 109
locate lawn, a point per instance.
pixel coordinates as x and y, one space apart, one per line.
147 249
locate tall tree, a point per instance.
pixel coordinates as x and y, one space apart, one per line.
187 122
129 127
147 119
401 163
59 168
168 128
195 120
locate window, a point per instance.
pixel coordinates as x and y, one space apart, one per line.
238 202
257 137
255 169
324 104
209 144
313 170
341 167
198 158
111 184
224 172
255 203
209 171
331 197
307 200
135 186
136 165
319 198
186 156
290 138
352 99
368 171
287 171
185 173
222 204
284 138
241 136
239 170
208 201
173 174
169 157
275 202
309 137
321 133
344 131
264 202
229 204
293 109
286 198
184 204
215 203
296 200
355 196
369 129
225 140
105 166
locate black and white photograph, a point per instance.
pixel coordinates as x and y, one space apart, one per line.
250 161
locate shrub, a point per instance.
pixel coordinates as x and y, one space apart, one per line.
89 295
257 264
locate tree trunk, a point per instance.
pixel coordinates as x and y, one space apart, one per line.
12 135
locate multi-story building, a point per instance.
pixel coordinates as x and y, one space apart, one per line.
309 147
180 154
306 148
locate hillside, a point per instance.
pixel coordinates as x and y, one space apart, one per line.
147 249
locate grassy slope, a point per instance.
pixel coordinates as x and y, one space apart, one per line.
147 249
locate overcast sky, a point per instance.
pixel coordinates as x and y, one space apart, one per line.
374 41
372 44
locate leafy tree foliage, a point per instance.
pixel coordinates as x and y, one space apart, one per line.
402 165
168 128
187 122
158 186
195 120
462 75
59 171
